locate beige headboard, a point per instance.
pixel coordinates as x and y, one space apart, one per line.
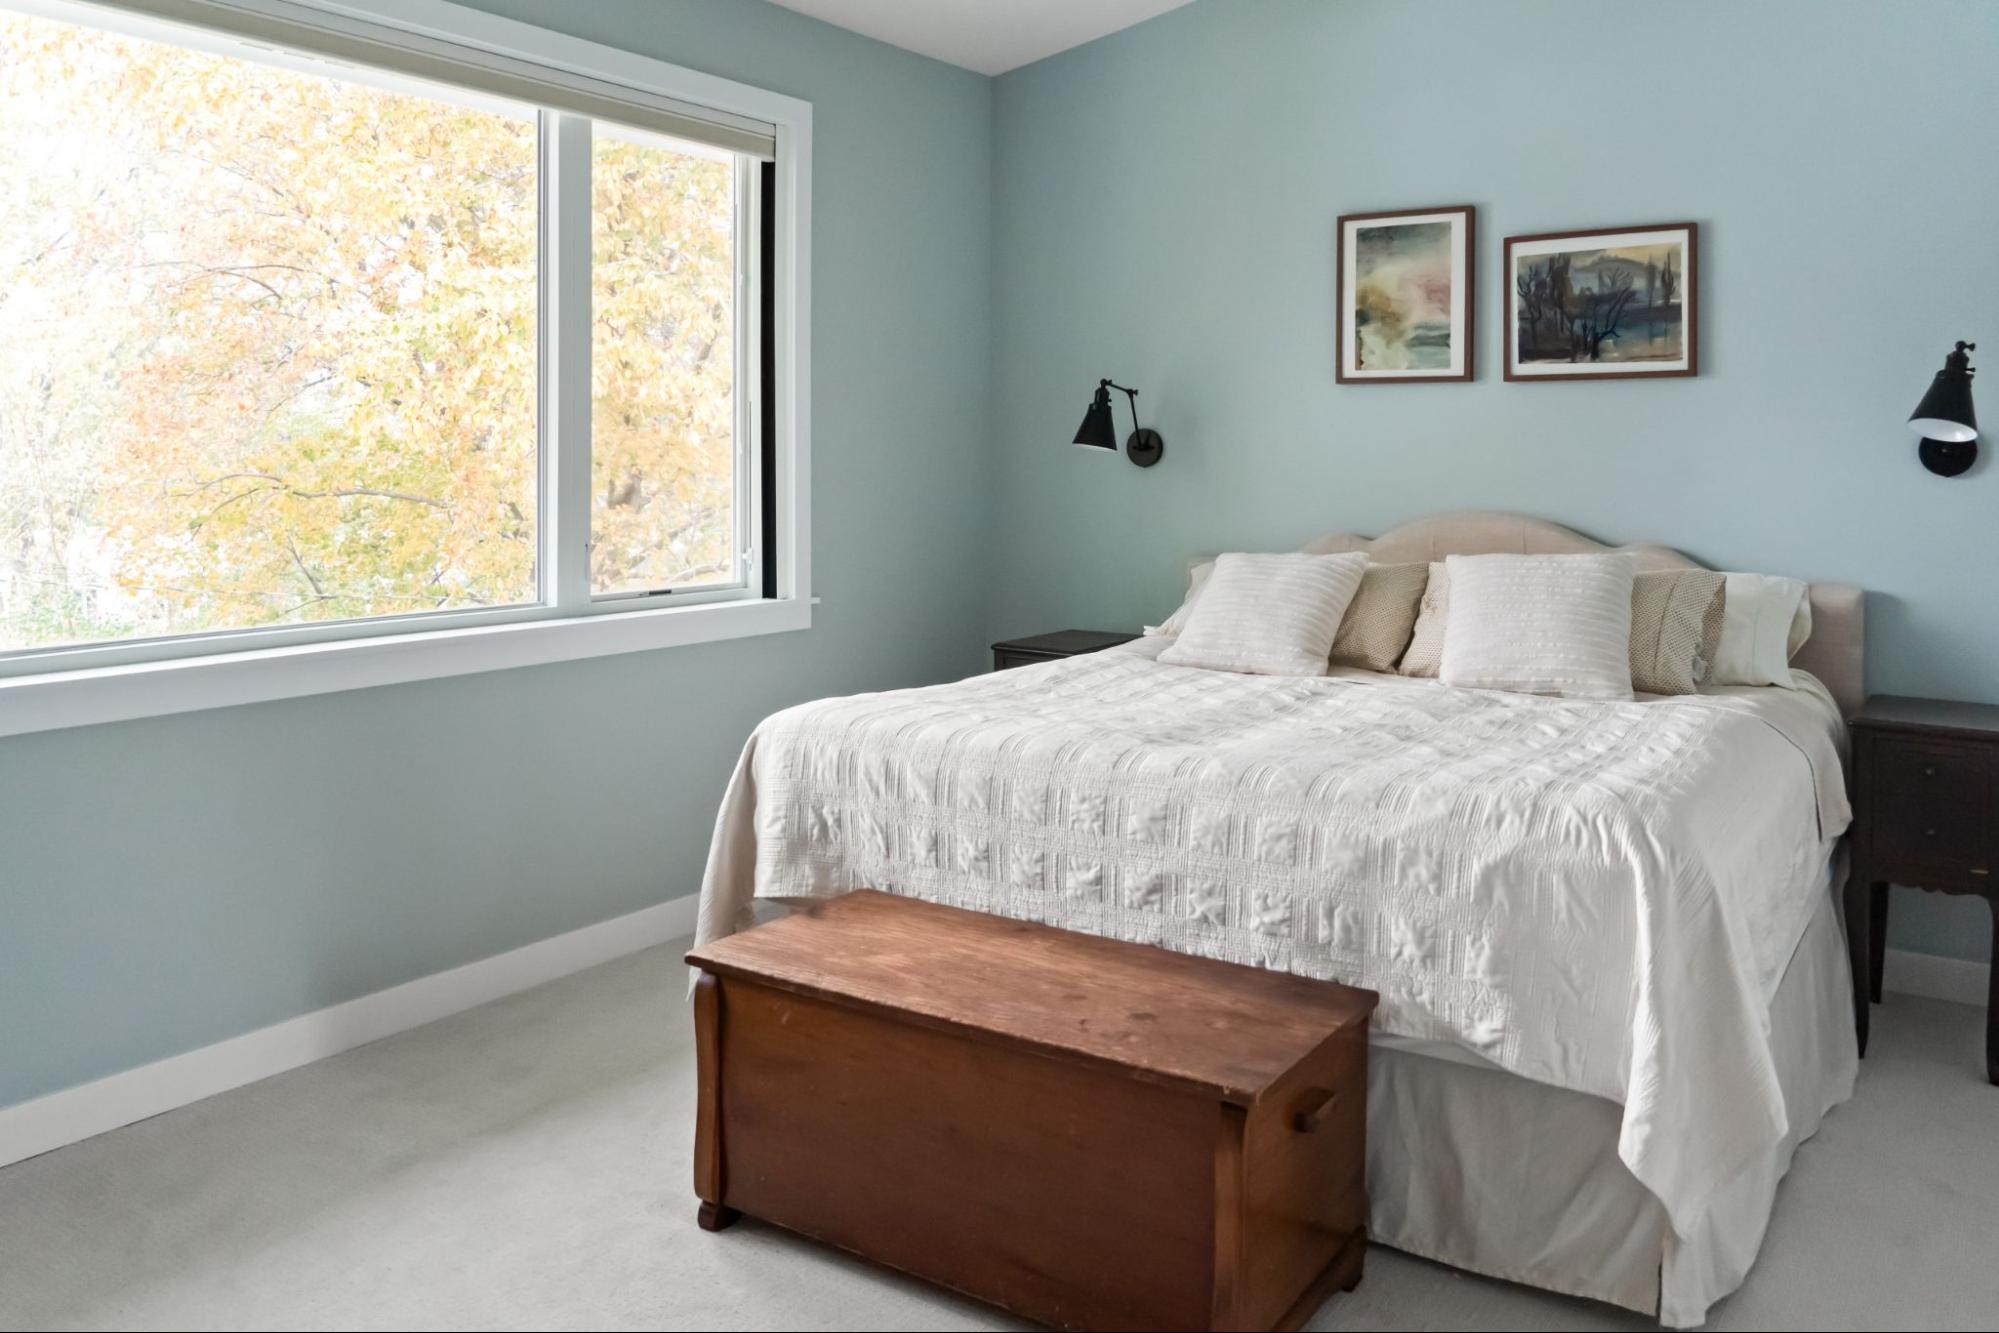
1834 653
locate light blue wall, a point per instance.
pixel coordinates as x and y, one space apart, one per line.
167 883
1164 204
1156 205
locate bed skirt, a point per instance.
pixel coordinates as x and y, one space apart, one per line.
1489 1172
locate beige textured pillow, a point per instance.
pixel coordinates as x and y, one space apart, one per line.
1541 624
1376 627
1271 615
1676 620
1426 639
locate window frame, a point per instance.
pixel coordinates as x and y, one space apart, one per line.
746 324
71 685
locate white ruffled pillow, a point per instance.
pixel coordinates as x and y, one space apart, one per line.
1197 577
1540 624
1766 619
1269 615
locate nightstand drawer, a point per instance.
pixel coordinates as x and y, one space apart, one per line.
1935 803
1038 648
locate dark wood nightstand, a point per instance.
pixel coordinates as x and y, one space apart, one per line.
1925 814
1048 647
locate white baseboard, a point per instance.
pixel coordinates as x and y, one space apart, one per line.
1954 979
30 1128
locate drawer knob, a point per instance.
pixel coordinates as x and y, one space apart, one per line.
1929 833
1929 770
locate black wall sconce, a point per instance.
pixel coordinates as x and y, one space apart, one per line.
1098 431
1944 418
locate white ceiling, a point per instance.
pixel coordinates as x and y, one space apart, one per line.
990 36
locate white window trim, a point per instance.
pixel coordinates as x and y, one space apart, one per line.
80 697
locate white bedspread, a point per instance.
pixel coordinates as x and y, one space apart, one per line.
1601 896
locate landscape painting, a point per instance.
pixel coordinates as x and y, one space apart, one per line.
1615 303
1405 297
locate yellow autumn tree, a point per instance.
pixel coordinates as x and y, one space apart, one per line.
662 367
267 347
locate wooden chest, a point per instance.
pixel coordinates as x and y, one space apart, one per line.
1088 1133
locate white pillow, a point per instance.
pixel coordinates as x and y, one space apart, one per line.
1765 621
1176 622
1540 624
1270 615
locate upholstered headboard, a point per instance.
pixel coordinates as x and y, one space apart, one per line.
1833 653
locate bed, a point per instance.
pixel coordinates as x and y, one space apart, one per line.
1615 994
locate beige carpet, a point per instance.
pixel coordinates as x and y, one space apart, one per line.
525 1165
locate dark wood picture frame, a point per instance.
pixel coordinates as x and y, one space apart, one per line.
1690 309
1468 258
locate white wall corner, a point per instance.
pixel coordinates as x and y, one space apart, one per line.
30 1128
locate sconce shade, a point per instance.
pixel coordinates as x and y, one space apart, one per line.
1945 413
1097 430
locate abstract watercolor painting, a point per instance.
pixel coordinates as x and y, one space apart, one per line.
1613 303
1405 296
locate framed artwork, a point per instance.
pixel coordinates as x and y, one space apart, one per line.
1615 303
1405 297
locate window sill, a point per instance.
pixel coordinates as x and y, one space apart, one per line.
151 689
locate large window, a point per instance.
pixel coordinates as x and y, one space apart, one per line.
295 346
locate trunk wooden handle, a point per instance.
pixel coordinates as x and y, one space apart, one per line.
1318 1103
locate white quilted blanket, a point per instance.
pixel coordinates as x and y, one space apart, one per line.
1596 895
